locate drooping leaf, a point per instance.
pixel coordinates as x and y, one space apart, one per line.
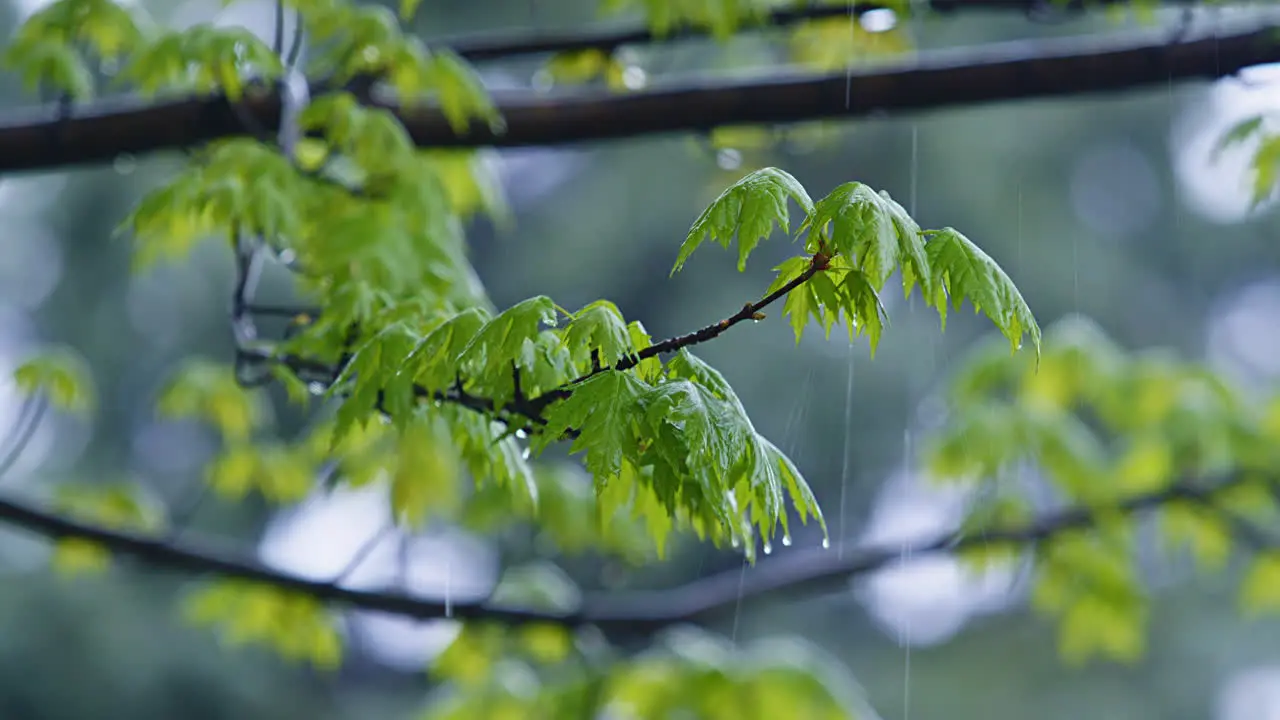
875 233
296 626
962 271
607 412
205 390
60 373
748 210
600 329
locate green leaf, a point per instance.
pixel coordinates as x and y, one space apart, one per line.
509 338
1260 589
651 367
600 328
1239 133
408 8
296 626
434 362
117 506
62 374
864 306
802 303
470 658
961 270
460 92
607 411
1205 533
875 233
425 479
748 209
209 391
1092 626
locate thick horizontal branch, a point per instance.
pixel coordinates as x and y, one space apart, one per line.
798 572
933 80
941 79
818 571
498 45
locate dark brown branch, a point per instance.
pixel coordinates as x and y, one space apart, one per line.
935 80
534 407
817 571
750 311
798 572
499 45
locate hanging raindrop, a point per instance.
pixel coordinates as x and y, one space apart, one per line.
768 548
786 540
826 543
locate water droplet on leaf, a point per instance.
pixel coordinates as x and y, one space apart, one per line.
768 548
786 540
826 543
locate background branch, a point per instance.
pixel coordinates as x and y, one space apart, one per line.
499 45
934 80
807 572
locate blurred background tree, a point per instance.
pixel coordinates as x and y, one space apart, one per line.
1111 207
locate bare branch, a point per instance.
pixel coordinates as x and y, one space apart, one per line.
499 45
799 572
817 571
934 80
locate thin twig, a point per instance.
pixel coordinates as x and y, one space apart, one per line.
24 429
363 552
750 311
277 45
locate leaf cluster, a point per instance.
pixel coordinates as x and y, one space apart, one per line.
1099 427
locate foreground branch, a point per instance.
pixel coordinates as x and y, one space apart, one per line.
935 80
798 572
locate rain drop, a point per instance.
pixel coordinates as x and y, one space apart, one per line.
634 78
124 163
786 540
768 548
525 453
879 20
826 543
728 159
543 81
734 541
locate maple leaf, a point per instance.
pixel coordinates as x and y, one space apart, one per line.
875 233
961 270
606 410
748 210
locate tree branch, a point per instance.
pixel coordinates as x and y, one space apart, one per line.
807 572
823 570
934 80
500 45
